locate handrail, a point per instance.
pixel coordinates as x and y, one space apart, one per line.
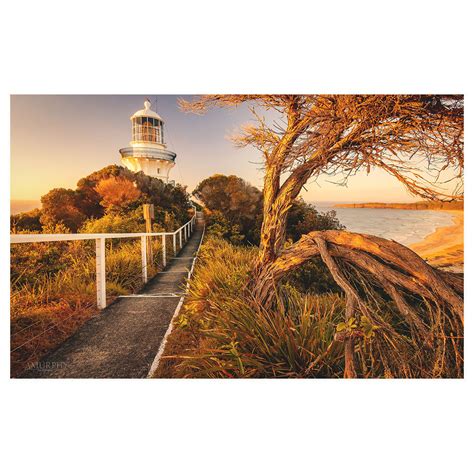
30 238
184 232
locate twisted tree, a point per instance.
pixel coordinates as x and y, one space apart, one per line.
415 138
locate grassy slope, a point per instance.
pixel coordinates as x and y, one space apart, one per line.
223 332
46 308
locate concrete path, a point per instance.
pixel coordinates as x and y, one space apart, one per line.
123 339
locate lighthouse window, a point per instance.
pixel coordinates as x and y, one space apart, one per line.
148 129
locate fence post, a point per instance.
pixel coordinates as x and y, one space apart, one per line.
144 259
180 239
174 244
100 272
163 244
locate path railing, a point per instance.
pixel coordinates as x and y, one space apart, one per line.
182 234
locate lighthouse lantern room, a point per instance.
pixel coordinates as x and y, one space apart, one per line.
147 151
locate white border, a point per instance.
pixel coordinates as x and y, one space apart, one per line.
237 426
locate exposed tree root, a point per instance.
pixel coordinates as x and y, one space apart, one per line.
371 271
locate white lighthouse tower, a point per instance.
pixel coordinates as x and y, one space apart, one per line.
147 151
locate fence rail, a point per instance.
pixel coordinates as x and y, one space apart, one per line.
183 234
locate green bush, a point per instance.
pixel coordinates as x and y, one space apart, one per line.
312 277
26 220
115 223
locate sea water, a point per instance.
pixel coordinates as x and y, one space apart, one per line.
404 226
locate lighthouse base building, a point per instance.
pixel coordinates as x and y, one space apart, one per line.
147 151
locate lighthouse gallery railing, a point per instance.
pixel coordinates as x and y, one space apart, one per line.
183 234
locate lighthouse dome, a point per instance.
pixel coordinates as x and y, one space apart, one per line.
147 126
146 112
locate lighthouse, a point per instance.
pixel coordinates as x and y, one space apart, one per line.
147 151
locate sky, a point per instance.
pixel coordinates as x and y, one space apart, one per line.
57 140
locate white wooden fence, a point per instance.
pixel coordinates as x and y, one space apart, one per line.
183 233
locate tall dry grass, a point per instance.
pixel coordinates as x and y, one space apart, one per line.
53 290
223 331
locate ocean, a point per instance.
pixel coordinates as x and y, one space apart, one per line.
23 205
404 226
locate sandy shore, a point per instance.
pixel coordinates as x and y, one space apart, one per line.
444 248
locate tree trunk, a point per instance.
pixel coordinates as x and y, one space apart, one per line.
385 260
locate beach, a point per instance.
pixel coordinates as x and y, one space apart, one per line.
444 248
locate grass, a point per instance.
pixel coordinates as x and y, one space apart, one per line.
223 332
53 290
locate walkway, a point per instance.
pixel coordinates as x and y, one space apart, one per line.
123 339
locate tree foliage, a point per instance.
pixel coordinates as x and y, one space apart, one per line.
117 192
229 194
304 218
232 204
62 205
233 210
113 189
115 222
26 220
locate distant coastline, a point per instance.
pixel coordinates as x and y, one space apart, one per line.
23 205
421 205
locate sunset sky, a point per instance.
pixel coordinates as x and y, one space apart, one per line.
56 140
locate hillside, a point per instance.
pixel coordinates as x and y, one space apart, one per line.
102 199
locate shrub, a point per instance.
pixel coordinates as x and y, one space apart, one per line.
117 192
26 221
61 206
304 218
114 223
217 224
235 204
312 277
